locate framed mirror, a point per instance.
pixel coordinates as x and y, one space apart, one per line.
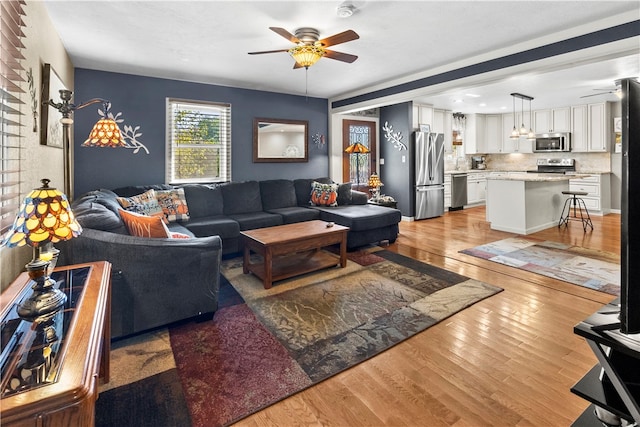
284 141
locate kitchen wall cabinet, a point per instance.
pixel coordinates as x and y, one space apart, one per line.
591 128
443 123
579 128
599 127
598 189
553 120
493 133
422 114
474 138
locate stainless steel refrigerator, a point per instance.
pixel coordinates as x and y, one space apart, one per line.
429 174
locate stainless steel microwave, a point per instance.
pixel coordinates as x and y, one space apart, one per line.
546 142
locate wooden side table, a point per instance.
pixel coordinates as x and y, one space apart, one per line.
54 382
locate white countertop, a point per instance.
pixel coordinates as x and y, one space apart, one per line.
454 171
539 177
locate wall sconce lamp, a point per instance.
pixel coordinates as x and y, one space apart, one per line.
105 132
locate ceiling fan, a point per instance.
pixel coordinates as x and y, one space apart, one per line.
617 91
310 48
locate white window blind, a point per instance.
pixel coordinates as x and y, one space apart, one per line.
198 141
11 79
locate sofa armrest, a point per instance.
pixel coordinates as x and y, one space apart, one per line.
155 281
358 197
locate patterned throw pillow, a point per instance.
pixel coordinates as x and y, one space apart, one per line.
324 194
173 204
144 226
145 204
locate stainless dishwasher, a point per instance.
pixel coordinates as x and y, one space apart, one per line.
458 191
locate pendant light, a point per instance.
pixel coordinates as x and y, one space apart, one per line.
514 133
531 136
523 128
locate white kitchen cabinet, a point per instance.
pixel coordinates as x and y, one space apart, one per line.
476 188
599 129
552 120
422 115
447 191
442 123
598 187
493 133
579 128
474 135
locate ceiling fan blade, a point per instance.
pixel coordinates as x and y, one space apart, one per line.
286 34
343 37
596 94
344 57
268 51
296 66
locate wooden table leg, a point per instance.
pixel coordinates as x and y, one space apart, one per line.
343 251
268 268
245 259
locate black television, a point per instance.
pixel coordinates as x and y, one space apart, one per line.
630 209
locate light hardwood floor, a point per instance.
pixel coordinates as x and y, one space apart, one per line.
509 360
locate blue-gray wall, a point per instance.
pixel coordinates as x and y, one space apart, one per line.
142 101
396 171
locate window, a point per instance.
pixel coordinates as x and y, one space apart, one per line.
198 142
12 75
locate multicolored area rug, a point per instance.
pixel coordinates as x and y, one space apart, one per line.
264 345
585 267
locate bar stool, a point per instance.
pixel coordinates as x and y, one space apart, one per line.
578 204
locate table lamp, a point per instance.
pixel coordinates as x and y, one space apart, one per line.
44 218
374 186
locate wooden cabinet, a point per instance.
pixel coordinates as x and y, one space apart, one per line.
493 133
553 120
82 332
598 187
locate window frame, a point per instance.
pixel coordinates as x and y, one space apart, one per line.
175 104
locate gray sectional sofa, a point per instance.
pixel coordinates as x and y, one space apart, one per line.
160 281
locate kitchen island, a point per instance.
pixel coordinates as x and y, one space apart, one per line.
524 203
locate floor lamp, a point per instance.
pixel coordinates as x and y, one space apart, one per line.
357 149
105 132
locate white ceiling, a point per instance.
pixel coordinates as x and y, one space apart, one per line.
208 41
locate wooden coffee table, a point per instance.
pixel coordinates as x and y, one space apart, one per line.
293 249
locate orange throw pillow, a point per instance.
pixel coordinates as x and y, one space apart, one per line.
143 225
324 194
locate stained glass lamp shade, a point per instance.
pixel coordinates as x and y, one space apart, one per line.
105 133
306 55
44 217
357 149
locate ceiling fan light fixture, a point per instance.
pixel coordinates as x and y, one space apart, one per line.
306 55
